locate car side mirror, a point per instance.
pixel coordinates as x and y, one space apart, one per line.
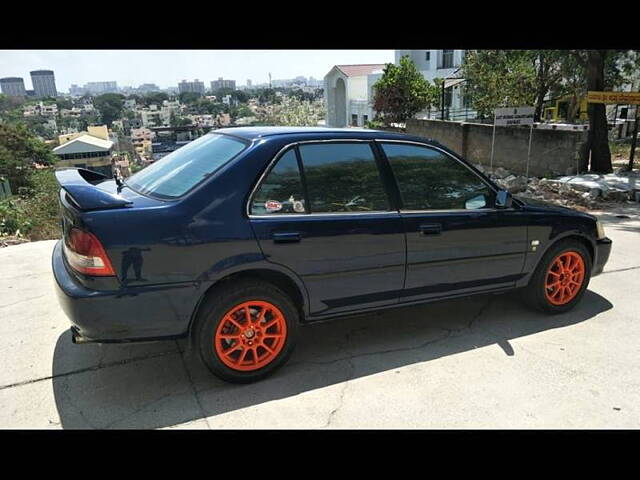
504 199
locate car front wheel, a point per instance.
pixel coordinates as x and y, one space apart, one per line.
561 278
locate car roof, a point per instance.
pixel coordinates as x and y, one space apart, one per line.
254 133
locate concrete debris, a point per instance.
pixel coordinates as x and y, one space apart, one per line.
8 240
576 191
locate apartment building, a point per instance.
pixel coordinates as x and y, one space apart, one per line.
44 83
40 109
13 86
221 83
196 86
91 150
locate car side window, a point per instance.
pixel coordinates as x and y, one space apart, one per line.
281 191
342 177
429 179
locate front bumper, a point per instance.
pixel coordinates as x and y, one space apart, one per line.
125 315
603 250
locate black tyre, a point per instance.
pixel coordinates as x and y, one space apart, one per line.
560 278
246 330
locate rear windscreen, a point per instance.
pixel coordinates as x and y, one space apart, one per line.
180 171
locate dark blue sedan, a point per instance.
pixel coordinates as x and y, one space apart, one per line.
241 236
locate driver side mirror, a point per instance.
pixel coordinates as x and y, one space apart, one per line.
504 199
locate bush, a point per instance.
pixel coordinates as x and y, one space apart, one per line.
33 213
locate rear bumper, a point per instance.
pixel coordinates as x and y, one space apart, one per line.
603 250
125 315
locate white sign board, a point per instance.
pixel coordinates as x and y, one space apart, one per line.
514 116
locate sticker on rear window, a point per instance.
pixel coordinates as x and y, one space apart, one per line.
272 205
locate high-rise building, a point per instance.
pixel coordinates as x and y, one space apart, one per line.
76 91
44 83
196 86
98 88
13 86
148 87
220 83
249 83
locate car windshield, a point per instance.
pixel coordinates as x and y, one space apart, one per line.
180 171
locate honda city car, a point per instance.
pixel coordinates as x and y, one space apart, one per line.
240 237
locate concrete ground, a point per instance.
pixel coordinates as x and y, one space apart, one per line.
480 362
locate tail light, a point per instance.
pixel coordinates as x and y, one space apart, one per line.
86 254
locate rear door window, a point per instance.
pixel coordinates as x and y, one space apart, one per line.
342 177
281 191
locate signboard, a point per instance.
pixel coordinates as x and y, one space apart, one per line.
622 98
514 116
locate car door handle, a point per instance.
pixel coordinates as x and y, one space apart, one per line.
430 229
286 237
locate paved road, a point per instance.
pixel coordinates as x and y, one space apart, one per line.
482 362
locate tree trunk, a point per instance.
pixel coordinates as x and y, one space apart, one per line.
542 90
598 140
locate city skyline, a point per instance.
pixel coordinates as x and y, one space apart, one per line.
137 67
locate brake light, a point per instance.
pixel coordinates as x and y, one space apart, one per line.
86 255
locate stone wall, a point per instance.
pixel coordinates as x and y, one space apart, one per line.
553 152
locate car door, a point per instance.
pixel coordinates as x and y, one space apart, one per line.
457 241
322 211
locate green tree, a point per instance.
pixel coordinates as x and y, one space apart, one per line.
19 151
401 92
110 106
604 70
154 98
189 97
499 78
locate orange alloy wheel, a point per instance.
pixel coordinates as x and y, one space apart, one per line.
564 278
250 335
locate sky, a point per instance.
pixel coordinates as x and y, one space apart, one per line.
166 68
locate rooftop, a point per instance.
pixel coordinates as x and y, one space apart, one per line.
84 143
360 70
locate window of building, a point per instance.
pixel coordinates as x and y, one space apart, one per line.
354 120
342 177
427 56
447 58
429 179
281 191
365 119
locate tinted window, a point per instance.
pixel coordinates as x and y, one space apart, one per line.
180 171
431 180
342 177
281 191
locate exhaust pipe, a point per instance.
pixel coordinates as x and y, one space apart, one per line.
76 338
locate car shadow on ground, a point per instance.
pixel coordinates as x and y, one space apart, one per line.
160 386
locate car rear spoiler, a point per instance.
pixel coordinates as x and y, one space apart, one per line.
80 185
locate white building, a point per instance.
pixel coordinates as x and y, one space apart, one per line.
347 94
443 64
348 89
40 108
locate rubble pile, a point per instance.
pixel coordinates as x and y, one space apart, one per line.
576 191
8 240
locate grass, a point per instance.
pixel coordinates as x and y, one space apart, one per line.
34 212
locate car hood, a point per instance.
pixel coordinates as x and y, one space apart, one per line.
548 207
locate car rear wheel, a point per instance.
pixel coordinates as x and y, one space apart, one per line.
561 278
246 330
